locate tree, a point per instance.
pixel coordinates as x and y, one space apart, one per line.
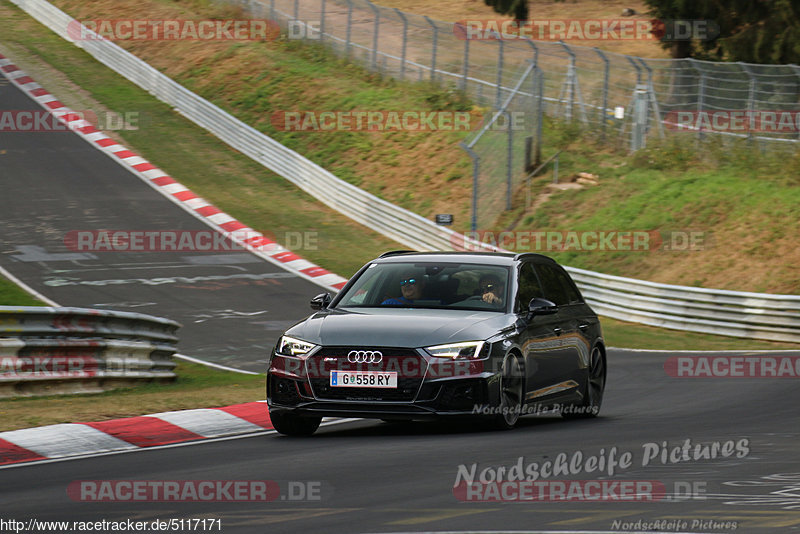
518 8
753 31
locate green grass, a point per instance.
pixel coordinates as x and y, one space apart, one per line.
197 386
628 335
13 295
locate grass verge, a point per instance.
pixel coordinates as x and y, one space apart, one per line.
13 295
197 386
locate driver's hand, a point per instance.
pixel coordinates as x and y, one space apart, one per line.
491 298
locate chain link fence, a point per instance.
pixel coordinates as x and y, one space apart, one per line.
622 99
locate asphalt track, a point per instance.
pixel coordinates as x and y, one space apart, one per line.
232 304
379 477
371 477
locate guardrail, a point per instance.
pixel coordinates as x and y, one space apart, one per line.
711 311
48 351
731 313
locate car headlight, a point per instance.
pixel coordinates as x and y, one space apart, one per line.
289 346
468 350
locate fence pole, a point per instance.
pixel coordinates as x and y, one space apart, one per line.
570 82
575 86
750 100
296 10
466 65
796 70
604 108
651 92
535 52
640 116
475 170
322 21
375 30
499 96
630 108
435 44
349 28
539 81
272 10
701 97
509 159
405 41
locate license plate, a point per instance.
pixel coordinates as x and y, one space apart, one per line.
364 379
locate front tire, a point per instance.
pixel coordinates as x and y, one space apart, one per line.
595 386
511 392
290 424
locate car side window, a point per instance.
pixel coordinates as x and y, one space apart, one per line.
573 294
529 286
553 289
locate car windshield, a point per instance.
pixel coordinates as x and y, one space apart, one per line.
464 286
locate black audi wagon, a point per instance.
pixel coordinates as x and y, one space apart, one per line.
424 335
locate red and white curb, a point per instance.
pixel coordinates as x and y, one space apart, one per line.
131 433
236 231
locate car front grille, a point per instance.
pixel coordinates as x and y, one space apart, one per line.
411 369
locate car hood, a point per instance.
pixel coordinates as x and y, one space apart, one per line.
399 327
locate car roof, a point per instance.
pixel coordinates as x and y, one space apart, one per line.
489 258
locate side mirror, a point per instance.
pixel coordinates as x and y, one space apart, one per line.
540 306
320 301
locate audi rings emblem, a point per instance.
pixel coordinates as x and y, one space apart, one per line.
364 356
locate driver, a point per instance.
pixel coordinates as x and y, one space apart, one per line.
491 289
411 287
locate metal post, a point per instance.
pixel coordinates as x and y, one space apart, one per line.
475 170
510 159
651 92
322 21
630 108
272 10
375 31
701 97
349 26
539 81
555 169
535 53
796 70
405 42
466 65
296 10
604 108
638 69
435 43
750 100
570 85
498 98
640 114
